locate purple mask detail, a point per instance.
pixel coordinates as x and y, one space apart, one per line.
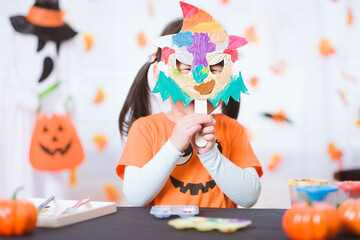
201 46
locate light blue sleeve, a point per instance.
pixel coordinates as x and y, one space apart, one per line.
242 186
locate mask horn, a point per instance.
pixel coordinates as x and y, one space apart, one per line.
236 42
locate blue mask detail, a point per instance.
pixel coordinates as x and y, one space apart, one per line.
167 87
233 89
183 39
198 74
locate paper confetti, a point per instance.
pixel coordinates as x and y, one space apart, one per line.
342 94
249 134
100 140
89 42
335 154
275 161
325 47
142 40
112 193
225 1
279 67
100 96
251 35
279 117
254 81
150 6
350 17
73 181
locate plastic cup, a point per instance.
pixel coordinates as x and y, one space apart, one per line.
297 197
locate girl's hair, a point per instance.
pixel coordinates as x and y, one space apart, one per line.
137 102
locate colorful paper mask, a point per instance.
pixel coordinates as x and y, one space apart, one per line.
202 42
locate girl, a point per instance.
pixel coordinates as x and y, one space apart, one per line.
161 164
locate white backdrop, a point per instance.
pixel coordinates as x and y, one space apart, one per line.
306 85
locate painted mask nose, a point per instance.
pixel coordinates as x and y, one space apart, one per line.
200 73
54 139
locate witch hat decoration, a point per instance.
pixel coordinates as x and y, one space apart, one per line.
45 20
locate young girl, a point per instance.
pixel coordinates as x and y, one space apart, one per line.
161 164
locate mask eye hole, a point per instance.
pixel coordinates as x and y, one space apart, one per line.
182 67
217 68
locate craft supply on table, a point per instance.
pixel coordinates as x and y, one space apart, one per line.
85 210
76 206
45 203
165 211
226 225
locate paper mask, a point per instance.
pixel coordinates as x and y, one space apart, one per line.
201 43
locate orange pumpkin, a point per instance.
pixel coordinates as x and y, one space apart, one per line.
55 144
349 212
319 221
17 217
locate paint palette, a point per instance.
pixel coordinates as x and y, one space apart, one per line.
165 211
226 225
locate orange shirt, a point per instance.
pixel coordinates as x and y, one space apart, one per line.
189 183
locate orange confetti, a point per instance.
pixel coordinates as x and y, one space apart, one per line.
225 1
350 17
150 6
251 35
279 67
73 181
358 122
348 76
254 81
335 154
325 47
343 97
249 134
275 161
112 193
279 117
142 40
89 41
100 140
100 96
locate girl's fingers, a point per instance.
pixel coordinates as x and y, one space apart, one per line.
208 130
192 119
192 130
209 137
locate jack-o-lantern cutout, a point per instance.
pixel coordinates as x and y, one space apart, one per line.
55 144
203 185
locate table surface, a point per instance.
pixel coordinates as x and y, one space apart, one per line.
138 223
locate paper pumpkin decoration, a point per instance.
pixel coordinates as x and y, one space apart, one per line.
55 144
201 43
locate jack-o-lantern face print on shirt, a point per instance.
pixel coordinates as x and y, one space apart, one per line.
55 144
200 181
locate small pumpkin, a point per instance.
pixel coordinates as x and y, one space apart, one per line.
349 212
314 218
319 221
55 144
17 217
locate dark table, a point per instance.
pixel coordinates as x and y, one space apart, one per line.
137 223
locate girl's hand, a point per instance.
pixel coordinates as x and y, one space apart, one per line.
186 127
208 132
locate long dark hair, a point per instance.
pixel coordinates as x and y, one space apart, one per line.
137 102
